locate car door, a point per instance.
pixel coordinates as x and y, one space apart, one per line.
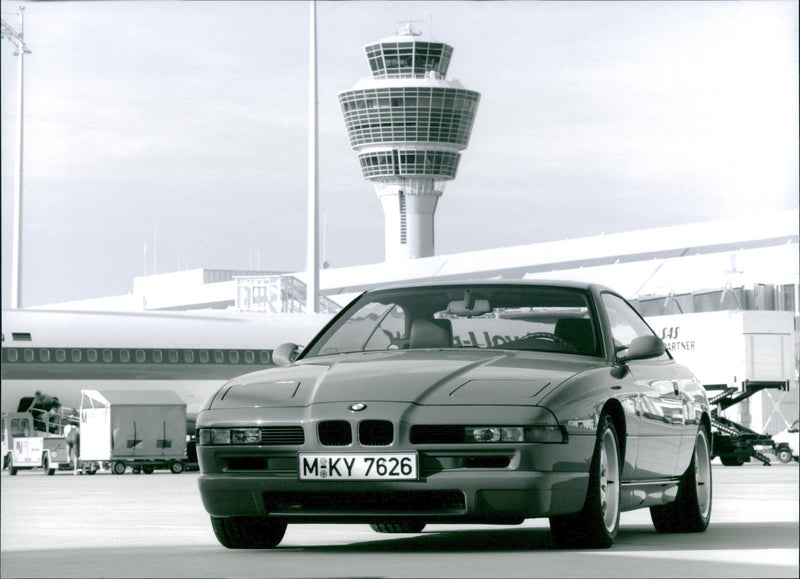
659 405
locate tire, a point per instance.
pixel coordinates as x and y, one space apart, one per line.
148 468
6 461
691 511
91 469
12 470
118 467
406 526
46 466
731 460
784 454
248 532
176 467
597 524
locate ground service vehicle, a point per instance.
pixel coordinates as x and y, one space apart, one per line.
787 443
487 402
142 430
746 361
26 448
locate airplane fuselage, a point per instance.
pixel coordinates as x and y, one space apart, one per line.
61 353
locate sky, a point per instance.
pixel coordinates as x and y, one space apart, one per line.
162 136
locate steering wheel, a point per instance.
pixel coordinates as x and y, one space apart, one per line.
551 337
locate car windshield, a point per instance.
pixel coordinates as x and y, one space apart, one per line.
508 317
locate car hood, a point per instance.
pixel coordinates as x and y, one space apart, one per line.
416 376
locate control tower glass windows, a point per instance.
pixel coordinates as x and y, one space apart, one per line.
408 59
409 114
441 165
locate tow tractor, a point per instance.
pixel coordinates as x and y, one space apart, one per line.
34 439
787 443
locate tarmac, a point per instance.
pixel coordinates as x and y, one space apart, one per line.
137 525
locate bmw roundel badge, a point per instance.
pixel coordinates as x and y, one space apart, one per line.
357 407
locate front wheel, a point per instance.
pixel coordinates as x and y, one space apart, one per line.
731 460
596 525
248 532
691 511
118 467
46 466
784 454
176 467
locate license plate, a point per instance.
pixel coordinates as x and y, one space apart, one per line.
358 466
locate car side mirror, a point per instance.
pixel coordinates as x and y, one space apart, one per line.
285 354
642 348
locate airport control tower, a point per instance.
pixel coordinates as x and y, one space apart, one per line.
408 123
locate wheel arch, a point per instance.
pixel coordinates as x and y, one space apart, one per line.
613 408
705 420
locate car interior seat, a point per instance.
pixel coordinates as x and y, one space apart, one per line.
577 332
431 334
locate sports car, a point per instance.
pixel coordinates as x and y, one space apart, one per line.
487 402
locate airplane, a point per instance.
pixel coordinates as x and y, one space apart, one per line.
61 352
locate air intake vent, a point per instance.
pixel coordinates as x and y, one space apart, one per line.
276 435
335 433
376 433
356 503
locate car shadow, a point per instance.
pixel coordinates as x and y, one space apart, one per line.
782 535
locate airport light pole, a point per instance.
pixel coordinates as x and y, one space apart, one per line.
18 40
312 286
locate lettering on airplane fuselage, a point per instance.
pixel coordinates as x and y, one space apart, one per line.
484 340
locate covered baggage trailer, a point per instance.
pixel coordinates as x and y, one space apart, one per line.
141 429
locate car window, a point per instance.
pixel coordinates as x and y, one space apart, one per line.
374 326
626 324
544 319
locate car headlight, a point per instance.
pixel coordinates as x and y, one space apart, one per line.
222 436
539 433
494 434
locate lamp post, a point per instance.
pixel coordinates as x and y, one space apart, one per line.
312 286
17 39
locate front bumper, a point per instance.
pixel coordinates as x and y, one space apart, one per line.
538 480
504 497
497 482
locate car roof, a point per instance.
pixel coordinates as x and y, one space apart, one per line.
581 285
